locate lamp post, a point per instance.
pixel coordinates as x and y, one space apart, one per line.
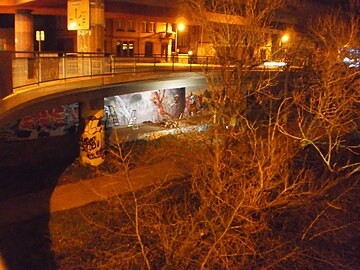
284 39
283 43
40 36
180 27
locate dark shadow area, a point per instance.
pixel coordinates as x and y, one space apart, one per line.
28 176
27 245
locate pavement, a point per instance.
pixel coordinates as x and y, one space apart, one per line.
68 196
76 194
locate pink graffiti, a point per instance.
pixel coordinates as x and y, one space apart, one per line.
54 117
157 99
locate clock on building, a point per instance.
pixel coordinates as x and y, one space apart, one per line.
78 15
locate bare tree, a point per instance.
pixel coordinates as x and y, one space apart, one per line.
256 196
327 98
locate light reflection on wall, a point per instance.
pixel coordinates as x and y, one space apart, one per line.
151 106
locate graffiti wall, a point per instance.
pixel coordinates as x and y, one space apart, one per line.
152 106
122 110
92 141
57 121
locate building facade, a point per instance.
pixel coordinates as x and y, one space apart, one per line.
127 29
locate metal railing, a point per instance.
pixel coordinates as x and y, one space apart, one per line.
30 68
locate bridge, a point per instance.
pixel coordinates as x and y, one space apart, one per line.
48 76
35 82
47 80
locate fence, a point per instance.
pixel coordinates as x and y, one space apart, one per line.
33 67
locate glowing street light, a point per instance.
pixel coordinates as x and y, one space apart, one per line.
180 27
285 38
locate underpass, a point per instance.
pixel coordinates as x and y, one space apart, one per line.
27 106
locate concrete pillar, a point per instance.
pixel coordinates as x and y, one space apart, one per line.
6 78
92 139
92 40
24 32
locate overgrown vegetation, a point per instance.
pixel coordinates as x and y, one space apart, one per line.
274 184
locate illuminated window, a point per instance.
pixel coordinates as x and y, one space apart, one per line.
131 48
125 48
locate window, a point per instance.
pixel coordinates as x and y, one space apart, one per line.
148 49
144 26
2 44
131 48
165 27
125 48
151 27
131 26
120 25
118 48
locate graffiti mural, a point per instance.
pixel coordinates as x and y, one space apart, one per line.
92 140
150 106
157 98
193 104
56 121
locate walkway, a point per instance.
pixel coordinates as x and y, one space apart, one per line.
82 192
78 194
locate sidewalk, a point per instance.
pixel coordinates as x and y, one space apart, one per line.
78 194
82 192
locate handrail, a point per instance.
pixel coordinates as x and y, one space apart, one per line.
19 69
31 68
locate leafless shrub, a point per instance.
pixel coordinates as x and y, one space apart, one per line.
256 196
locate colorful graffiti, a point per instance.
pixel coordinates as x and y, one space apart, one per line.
150 106
52 122
92 140
193 104
157 98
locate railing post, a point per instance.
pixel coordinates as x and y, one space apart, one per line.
64 66
173 62
154 62
102 59
207 64
39 68
112 64
91 69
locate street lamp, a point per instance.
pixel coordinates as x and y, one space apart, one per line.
180 27
284 44
285 38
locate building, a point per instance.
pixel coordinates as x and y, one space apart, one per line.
127 27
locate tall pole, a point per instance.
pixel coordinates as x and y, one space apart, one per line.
176 39
179 27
